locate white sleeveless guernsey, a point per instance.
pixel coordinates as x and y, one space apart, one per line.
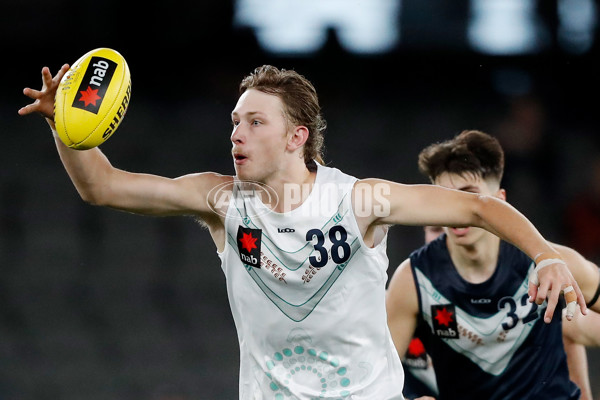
308 298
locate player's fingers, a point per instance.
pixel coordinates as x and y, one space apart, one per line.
542 293
533 289
32 93
552 302
580 299
63 70
23 111
571 300
46 77
28 109
571 308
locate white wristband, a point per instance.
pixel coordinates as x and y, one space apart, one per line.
533 278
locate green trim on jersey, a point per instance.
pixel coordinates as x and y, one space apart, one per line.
297 312
495 359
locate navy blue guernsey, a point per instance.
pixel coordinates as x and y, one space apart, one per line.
486 340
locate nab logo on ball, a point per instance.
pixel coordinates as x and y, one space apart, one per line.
248 241
94 84
92 98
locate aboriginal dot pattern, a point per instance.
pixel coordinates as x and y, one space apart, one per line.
317 368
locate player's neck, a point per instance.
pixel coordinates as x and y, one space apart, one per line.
292 187
477 261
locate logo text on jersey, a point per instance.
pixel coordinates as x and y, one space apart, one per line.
481 301
286 230
443 317
93 86
248 242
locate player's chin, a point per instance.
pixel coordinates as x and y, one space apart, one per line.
243 173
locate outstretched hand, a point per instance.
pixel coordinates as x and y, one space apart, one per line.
549 281
44 98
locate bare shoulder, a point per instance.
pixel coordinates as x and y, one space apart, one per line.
401 288
204 194
206 183
216 188
215 191
402 305
370 201
375 187
402 274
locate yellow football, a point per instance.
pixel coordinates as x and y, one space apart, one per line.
92 99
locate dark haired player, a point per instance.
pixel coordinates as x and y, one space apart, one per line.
465 294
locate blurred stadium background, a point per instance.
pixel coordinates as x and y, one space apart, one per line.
97 304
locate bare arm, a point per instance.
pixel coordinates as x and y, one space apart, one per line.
575 337
578 367
394 203
584 271
584 329
435 205
99 183
402 307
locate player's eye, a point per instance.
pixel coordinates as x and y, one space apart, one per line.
235 123
256 122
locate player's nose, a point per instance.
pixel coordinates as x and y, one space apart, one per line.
237 136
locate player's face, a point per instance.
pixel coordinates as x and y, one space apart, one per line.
432 232
472 184
259 135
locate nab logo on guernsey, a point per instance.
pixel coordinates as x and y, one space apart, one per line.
94 84
416 356
248 241
444 321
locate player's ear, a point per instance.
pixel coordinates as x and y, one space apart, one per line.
298 136
501 194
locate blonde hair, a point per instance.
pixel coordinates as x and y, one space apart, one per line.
300 101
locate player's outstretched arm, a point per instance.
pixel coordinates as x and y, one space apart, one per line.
394 203
99 183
